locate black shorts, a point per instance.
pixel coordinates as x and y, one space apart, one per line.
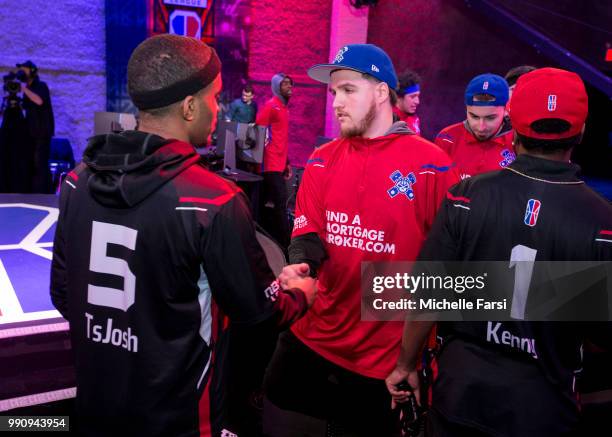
298 379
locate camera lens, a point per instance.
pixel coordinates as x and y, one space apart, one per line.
21 76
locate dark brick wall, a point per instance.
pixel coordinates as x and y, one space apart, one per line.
290 36
447 43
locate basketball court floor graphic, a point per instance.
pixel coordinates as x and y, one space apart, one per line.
33 335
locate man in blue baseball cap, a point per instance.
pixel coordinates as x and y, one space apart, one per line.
483 141
370 195
366 82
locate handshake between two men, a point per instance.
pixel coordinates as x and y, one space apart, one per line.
298 276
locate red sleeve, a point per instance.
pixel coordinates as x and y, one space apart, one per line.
290 306
444 141
264 115
444 181
439 174
309 209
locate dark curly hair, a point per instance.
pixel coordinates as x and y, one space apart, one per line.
407 79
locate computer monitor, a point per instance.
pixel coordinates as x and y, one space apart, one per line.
240 141
113 122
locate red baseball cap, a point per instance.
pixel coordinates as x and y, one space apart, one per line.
548 93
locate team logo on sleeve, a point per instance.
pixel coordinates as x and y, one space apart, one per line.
532 212
300 222
403 185
508 156
272 291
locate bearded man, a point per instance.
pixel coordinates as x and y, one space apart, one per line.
370 195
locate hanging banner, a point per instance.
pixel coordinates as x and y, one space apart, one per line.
189 3
192 18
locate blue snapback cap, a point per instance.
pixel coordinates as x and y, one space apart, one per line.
491 84
363 58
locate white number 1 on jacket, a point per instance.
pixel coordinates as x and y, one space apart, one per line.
522 258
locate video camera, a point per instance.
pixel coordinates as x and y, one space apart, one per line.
12 81
12 87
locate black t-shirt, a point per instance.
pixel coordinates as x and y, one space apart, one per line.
523 387
39 117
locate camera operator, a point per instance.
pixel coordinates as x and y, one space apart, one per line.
41 125
15 149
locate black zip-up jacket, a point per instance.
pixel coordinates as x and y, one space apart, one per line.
524 387
151 252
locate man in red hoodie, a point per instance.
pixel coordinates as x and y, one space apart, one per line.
409 99
275 115
370 195
483 141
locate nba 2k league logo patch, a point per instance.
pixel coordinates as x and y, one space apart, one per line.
485 86
552 102
403 185
532 212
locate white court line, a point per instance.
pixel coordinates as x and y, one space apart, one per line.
19 246
27 317
28 206
37 250
41 228
37 399
9 304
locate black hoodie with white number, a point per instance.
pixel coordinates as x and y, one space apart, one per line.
151 252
